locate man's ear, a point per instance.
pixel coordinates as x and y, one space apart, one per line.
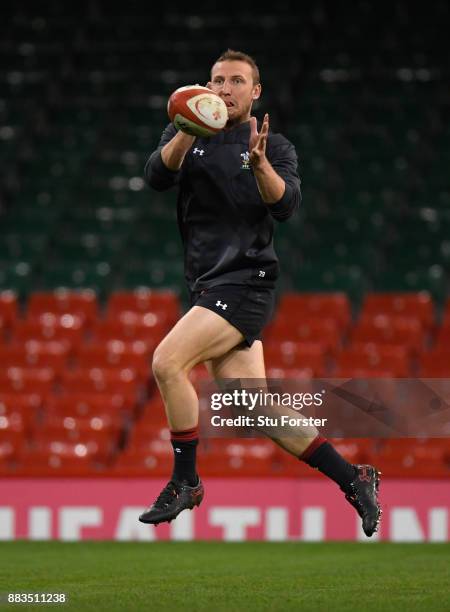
257 91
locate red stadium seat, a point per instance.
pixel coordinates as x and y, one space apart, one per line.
100 445
323 331
145 301
237 457
10 453
104 429
435 364
296 355
158 319
116 354
295 306
360 372
412 305
27 405
88 405
443 337
2 331
12 428
101 380
147 328
9 450
289 373
153 437
8 308
394 359
38 381
354 450
287 466
142 463
389 329
82 303
35 353
446 314
61 459
415 458
49 327
148 451
153 413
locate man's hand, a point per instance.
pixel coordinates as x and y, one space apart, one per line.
257 142
270 184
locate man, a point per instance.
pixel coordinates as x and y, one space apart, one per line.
231 188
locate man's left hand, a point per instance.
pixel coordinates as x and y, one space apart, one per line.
258 141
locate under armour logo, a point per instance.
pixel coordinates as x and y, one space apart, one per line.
220 305
178 450
261 273
199 151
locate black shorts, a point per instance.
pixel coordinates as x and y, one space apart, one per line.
249 309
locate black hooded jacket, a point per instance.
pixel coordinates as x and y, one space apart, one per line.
225 225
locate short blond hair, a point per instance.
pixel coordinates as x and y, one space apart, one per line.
230 55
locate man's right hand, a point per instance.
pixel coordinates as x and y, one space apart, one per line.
174 152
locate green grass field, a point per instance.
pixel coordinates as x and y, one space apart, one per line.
218 576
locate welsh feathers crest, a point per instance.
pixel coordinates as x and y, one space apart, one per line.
245 161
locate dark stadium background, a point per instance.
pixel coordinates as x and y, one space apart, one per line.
360 88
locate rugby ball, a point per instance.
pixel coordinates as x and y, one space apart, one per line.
197 110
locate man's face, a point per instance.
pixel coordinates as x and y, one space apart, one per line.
233 82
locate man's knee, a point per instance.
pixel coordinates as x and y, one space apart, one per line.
165 365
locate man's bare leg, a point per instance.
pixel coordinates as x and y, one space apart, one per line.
360 483
198 336
248 363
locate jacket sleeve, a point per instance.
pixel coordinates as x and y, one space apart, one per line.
285 163
157 175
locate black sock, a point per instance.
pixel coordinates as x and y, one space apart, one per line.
185 458
324 457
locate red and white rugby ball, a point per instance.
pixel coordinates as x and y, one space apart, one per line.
197 110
